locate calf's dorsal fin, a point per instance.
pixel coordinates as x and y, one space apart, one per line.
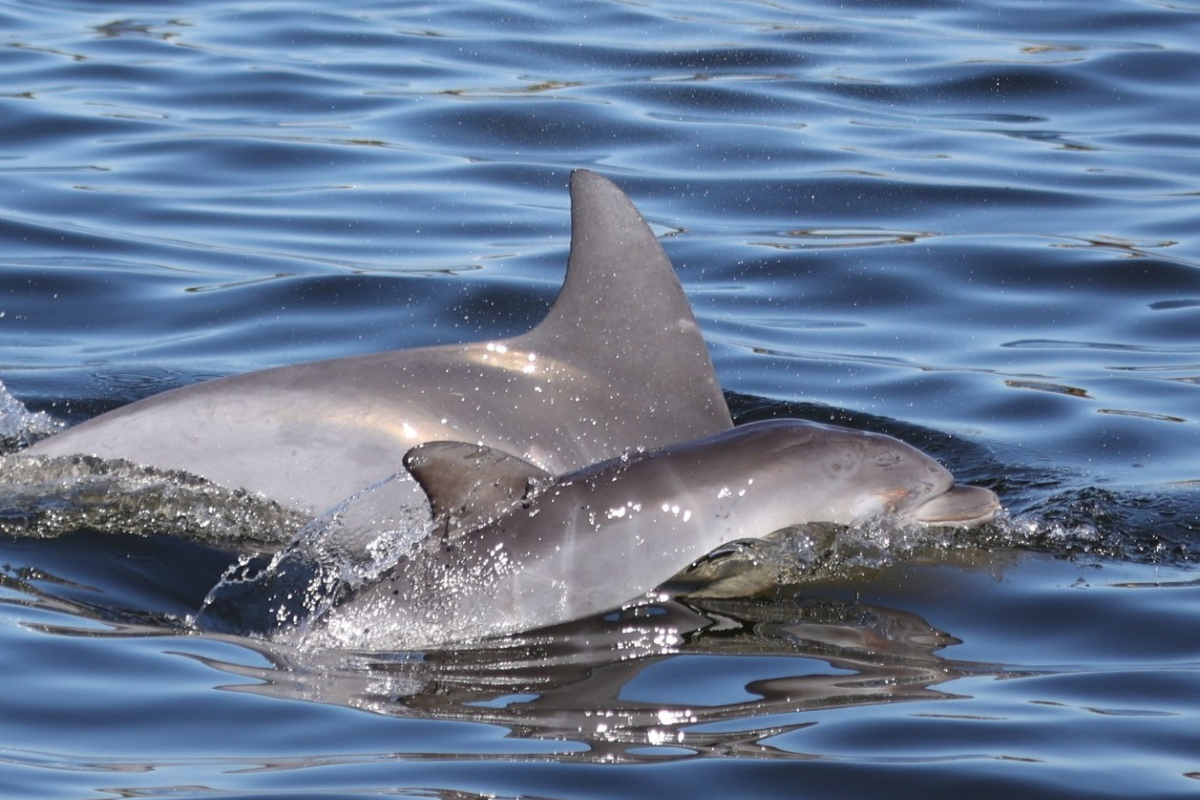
470 485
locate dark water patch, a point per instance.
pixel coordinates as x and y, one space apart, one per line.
155 581
1038 344
717 60
1172 305
486 128
713 99
983 84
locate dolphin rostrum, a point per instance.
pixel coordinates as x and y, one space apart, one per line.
520 549
617 364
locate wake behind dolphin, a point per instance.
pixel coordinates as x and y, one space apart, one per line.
562 472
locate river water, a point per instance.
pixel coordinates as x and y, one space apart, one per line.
969 225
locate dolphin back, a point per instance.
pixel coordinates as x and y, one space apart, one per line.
617 364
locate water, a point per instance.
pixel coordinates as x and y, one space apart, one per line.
971 226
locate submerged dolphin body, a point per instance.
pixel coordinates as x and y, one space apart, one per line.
617 364
520 549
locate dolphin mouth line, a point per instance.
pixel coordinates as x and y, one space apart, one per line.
961 506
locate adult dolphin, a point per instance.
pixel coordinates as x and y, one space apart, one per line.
617 364
520 549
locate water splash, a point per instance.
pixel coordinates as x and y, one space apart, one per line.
43 496
1089 523
352 544
20 427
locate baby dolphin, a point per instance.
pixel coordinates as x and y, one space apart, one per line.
520 549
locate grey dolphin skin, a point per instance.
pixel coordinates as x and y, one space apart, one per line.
617 364
567 470
520 549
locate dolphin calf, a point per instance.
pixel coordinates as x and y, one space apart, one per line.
617 364
518 549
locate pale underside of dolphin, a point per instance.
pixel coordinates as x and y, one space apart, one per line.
617 364
520 549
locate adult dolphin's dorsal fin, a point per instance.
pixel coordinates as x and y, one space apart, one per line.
617 365
623 317
469 485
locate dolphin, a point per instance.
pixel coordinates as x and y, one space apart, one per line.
516 548
617 364
566 470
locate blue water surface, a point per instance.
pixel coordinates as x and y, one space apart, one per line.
971 225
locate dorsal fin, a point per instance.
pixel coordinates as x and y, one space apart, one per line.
470 485
622 316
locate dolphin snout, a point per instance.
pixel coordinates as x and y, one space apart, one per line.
961 505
